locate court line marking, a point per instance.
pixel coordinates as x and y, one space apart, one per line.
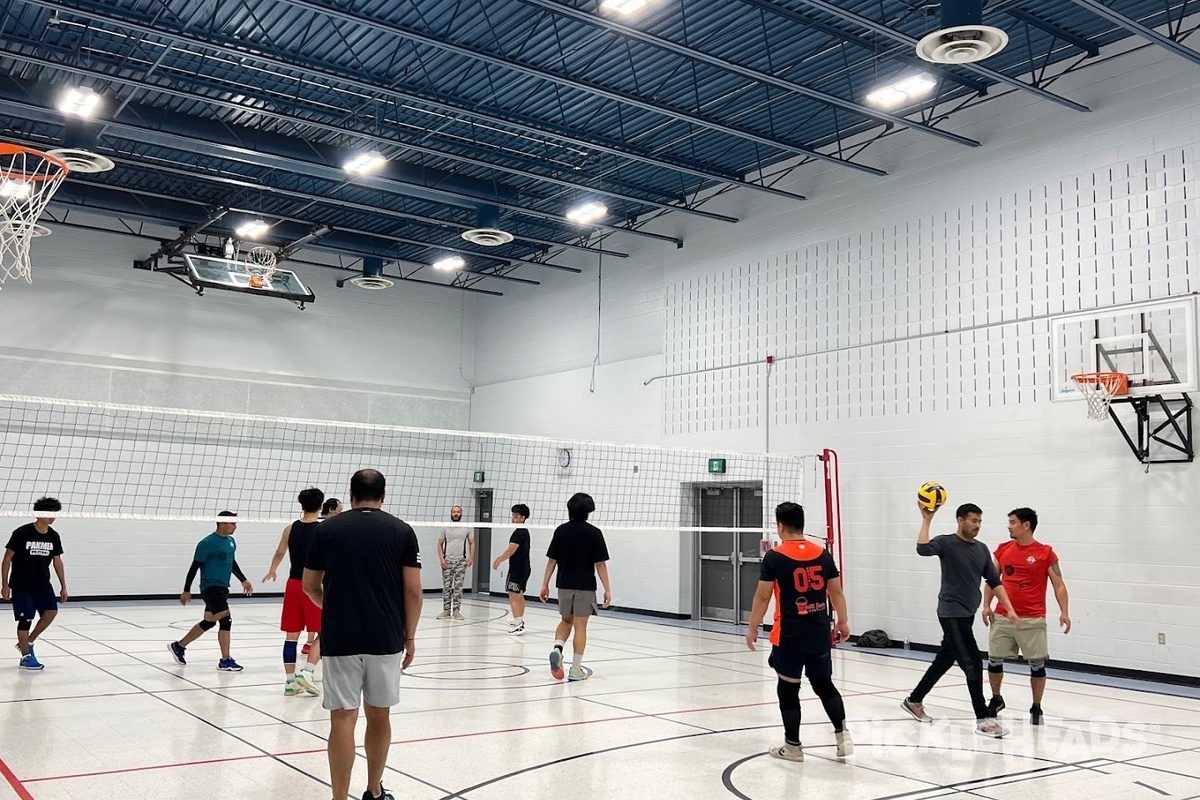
14 782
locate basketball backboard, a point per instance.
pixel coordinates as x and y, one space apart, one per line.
1153 343
208 272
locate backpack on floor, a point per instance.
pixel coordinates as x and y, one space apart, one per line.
874 638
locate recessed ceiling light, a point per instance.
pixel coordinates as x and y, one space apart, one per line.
449 264
79 101
365 163
252 229
902 92
587 213
625 7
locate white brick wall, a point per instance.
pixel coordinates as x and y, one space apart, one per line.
1058 211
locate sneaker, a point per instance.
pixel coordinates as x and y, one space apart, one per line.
990 727
290 689
788 752
457 617
306 649
845 746
229 665
916 709
386 795
516 630
1035 714
31 663
444 615
996 705
556 663
177 652
304 681
579 674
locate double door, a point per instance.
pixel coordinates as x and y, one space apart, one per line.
729 562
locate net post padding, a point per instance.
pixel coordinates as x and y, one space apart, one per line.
28 180
1099 389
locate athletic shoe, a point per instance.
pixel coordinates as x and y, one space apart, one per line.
457 617
444 615
306 649
845 746
290 689
303 682
556 663
996 705
229 665
990 727
386 795
31 663
177 652
916 709
579 674
1035 714
788 752
516 630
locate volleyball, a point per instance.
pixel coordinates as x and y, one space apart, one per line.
932 495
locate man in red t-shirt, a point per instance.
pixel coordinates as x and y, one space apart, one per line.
1025 566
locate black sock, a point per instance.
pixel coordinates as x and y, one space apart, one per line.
789 709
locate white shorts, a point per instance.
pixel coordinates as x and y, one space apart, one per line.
349 681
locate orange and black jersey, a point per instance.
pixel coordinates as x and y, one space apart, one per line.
801 571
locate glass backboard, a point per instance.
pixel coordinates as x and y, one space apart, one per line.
224 273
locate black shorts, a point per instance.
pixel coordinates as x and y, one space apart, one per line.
27 603
791 664
516 582
216 599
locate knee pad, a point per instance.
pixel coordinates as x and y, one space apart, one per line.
206 625
995 667
289 652
788 693
226 623
823 687
24 624
1037 669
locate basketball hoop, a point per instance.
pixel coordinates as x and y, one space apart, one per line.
1099 388
260 266
28 179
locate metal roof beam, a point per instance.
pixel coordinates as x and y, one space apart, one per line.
296 64
1057 31
577 83
904 38
1145 31
744 71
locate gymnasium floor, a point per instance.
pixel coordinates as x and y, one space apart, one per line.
672 712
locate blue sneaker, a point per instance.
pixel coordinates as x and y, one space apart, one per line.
556 661
229 665
177 653
30 662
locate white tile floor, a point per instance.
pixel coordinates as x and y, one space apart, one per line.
672 712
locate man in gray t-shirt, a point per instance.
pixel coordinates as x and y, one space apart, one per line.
456 550
964 561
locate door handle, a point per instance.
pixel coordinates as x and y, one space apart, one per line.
733 558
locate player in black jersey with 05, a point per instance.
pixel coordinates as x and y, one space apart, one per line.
805 582
299 612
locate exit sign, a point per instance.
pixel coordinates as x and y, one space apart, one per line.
478 477
716 466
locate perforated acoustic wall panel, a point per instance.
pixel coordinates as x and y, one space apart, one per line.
946 310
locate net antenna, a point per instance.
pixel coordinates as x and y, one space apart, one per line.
1099 389
260 264
28 180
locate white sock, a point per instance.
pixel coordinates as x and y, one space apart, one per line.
560 643
310 668
577 660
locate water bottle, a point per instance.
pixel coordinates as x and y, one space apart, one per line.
907 644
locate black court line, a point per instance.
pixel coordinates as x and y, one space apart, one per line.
1152 788
645 714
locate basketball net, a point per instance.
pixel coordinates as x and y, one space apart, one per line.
28 179
1099 389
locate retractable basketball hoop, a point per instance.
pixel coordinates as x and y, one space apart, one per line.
28 179
1099 388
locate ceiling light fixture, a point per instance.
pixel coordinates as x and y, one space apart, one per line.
79 101
625 7
365 163
11 189
902 92
252 230
449 264
587 213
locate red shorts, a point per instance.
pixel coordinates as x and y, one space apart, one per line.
299 612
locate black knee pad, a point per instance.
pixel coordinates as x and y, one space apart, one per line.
206 625
823 687
24 624
995 667
226 623
1037 669
788 694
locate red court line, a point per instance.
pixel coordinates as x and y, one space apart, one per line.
313 751
14 782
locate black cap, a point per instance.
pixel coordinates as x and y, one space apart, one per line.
227 514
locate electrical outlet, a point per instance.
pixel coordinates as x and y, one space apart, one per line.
1162 638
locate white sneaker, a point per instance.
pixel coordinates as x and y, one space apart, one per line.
457 616
444 615
845 746
990 727
516 630
788 752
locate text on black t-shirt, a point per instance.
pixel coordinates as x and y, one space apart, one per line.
577 547
33 553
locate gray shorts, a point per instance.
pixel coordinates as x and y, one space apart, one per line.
351 680
577 603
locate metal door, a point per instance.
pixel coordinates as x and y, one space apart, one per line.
483 542
728 562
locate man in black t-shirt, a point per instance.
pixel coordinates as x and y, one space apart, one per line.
579 552
805 582
364 571
25 578
299 612
517 556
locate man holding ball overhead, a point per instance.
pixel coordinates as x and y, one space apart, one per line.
963 561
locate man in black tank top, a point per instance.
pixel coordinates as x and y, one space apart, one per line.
299 612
